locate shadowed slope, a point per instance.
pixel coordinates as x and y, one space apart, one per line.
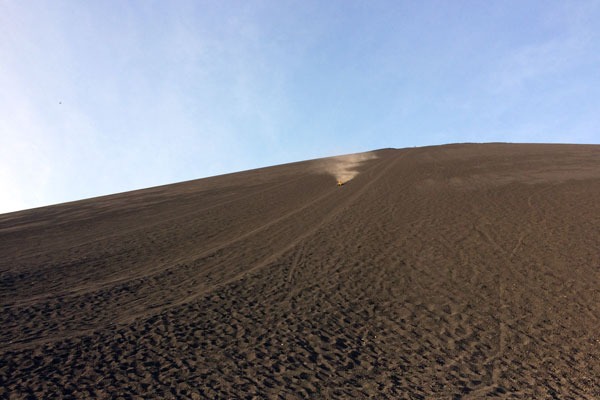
454 270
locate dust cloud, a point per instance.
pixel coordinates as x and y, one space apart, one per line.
344 168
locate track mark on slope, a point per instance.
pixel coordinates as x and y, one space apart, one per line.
518 245
332 214
297 257
98 285
194 293
186 215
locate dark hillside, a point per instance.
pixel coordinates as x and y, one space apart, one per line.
458 270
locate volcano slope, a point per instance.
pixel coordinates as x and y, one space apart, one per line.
453 271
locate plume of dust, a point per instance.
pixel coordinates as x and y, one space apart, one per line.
344 168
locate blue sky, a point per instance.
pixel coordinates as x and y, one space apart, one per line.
103 97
